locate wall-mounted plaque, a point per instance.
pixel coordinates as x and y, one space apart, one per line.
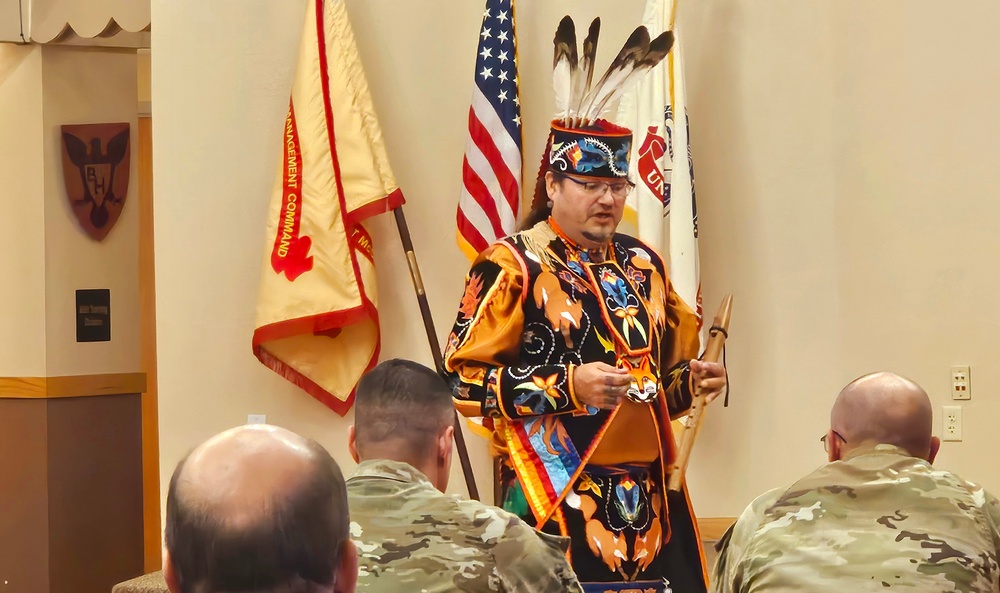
95 170
93 315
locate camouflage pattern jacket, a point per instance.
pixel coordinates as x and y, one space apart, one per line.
411 537
878 520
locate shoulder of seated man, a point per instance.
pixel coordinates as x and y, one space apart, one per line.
497 524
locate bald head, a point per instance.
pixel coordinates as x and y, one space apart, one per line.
884 408
256 508
244 473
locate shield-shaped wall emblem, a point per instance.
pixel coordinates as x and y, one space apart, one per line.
95 169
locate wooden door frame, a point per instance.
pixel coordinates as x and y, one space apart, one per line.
152 534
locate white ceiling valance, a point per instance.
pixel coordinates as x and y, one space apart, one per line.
70 21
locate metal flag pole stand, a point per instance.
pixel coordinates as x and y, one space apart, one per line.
432 340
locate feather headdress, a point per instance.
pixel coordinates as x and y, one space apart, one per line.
577 103
580 143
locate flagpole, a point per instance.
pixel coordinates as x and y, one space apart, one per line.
717 341
432 340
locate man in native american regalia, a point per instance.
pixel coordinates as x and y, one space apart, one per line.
573 347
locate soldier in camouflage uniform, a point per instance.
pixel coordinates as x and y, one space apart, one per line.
877 517
411 536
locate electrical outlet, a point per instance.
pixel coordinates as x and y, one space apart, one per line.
952 418
256 419
961 384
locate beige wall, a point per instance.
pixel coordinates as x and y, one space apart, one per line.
22 230
89 86
845 160
144 64
10 22
220 87
47 256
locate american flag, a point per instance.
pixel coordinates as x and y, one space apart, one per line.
491 171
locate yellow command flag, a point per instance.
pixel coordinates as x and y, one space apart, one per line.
317 317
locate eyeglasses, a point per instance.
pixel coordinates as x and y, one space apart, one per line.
826 445
596 189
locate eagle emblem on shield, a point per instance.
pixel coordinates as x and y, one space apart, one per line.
96 171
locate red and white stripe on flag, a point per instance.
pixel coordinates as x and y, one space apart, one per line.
662 211
317 317
490 198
